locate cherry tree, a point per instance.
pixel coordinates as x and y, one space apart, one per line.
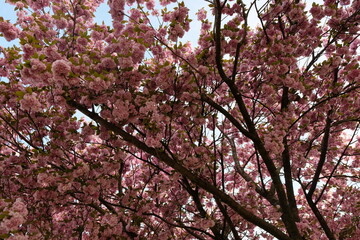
129 132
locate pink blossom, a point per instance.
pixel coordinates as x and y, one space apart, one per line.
82 41
138 53
9 31
62 188
20 207
283 69
317 12
203 70
10 35
166 17
37 66
295 14
61 68
135 14
108 63
153 141
166 2
3 204
120 113
205 26
110 219
61 23
354 74
201 14
125 62
12 223
150 4
99 84
329 11
181 14
118 5
92 190
207 223
30 102
18 237
174 129
19 5
176 31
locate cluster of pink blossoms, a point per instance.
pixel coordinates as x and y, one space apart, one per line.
183 142
15 215
30 102
9 31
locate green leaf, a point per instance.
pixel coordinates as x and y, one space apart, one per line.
29 90
20 94
5 235
4 215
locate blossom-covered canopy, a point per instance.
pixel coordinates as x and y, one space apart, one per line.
127 131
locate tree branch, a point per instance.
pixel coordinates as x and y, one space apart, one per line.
162 156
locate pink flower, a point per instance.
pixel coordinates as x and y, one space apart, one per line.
295 14
177 31
125 62
329 11
62 188
112 220
19 5
207 223
316 12
61 23
283 69
10 35
98 84
201 14
203 70
18 237
9 31
344 2
30 102
118 5
150 4
37 66
355 73
108 63
61 68
138 54
181 14
19 207
135 14
13 222
82 41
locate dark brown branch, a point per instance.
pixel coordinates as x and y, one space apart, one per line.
181 225
19 134
288 220
288 180
262 24
240 43
162 156
217 36
240 170
286 161
236 123
321 102
319 217
336 165
324 148
228 219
